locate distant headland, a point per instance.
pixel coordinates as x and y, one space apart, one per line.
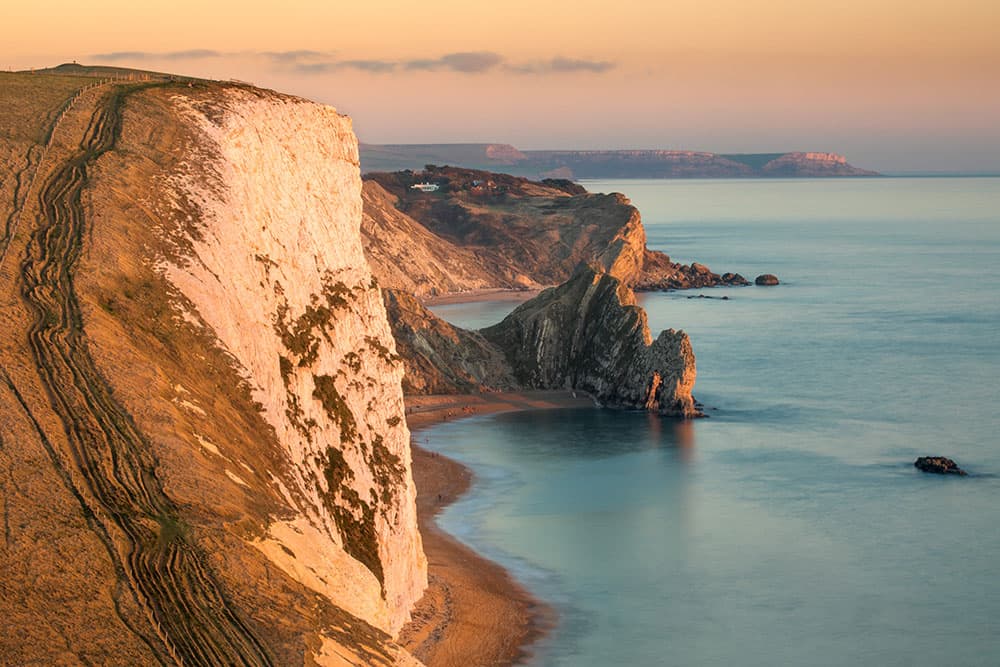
577 164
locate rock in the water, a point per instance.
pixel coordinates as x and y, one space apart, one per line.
939 465
766 279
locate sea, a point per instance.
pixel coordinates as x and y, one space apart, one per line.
790 527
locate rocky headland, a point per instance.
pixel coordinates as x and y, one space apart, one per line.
589 335
481 230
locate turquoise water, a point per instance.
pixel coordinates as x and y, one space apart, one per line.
790 527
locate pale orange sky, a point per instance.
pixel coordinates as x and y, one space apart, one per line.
894 85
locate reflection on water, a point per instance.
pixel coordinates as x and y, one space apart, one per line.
588 433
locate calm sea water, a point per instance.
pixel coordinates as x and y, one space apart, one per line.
790 528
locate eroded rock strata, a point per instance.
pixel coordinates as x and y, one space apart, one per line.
440 358
588 334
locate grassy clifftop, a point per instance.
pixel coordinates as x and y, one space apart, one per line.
138 470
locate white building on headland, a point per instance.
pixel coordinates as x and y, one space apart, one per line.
425 187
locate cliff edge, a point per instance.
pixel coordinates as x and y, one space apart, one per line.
204 453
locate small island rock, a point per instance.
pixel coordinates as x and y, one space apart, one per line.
939 465
766 279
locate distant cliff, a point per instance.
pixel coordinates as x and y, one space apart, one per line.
575 164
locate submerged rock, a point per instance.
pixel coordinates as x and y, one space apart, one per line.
939 465
766 279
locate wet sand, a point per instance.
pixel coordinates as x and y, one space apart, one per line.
473 612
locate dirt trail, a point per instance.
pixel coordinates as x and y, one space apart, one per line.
107 460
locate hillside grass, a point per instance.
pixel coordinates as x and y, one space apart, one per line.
29 102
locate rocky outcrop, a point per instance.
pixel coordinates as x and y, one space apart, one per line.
766 280
660 274
939 465
588 334
440 358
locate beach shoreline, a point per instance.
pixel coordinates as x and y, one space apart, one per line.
474 611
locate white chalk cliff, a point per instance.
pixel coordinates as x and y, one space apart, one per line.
277 270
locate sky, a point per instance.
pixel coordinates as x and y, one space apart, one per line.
895 85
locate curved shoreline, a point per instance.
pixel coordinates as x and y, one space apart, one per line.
474 611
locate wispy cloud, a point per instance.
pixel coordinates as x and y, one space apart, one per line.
305 61
561 65
294 56
468 62
190 54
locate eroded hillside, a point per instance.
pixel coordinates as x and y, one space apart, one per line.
485 230
203 455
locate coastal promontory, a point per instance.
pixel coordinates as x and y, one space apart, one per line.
204 452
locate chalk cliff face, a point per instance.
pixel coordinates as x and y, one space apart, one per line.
589 334
277 271
203 448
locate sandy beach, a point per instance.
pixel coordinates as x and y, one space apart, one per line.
474 612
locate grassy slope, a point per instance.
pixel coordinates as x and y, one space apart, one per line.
69 597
